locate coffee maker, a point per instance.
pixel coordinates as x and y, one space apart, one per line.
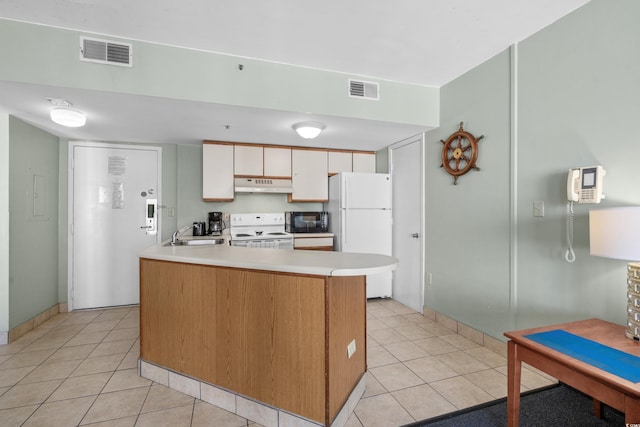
216 224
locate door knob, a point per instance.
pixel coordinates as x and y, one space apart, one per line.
415 235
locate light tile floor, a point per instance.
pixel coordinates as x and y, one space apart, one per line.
80 368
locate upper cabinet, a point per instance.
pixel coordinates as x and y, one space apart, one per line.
248 160
340 161
309 175
217 172
262 161
364 162
308 168
277 162
351 161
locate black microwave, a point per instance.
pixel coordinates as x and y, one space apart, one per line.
306 222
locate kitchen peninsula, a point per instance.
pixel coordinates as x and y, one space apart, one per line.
275 336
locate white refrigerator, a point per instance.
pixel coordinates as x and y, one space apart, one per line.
359 209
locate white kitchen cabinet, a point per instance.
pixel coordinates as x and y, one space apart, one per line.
309 175
248 160
277 162
364 162
217 172
340 161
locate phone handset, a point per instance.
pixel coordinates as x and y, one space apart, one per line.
584 185
573 182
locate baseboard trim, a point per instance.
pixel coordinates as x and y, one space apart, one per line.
466 331
33 323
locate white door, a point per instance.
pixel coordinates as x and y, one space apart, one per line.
406 164
110 188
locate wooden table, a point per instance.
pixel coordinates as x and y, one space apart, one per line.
603 386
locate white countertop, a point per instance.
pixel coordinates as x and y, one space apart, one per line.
319 263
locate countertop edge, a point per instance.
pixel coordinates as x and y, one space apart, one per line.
276 260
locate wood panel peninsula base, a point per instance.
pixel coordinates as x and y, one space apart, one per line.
271 346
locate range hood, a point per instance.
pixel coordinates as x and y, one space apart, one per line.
263 185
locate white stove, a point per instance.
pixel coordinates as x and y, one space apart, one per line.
259 231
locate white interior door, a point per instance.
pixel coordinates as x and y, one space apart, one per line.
111 187
406 164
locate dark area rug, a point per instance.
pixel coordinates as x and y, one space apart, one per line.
557 405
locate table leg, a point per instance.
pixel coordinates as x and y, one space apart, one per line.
514 370
631 410
597 408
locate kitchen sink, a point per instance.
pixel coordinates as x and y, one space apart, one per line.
196 242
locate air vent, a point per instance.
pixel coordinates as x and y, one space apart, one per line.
362 89
106 52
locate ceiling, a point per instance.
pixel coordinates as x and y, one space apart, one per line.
424 42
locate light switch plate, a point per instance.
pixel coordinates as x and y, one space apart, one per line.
538 208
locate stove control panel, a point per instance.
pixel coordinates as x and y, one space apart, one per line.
251 220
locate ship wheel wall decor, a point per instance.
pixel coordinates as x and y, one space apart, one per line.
460 153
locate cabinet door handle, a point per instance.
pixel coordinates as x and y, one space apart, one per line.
415 235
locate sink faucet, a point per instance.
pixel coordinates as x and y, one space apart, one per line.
178 232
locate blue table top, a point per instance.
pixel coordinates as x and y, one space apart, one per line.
608 359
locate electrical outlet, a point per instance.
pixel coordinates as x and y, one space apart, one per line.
172 212
429 279
351 348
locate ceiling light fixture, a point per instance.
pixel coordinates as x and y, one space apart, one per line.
68 117
308 130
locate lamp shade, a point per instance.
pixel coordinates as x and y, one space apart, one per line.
68 117
308 130
615 233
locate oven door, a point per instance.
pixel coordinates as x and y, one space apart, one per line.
264 243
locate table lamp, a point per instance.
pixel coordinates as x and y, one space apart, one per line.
615 233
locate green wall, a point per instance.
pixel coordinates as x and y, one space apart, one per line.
467 225
578 109
4 228
565 97
33 222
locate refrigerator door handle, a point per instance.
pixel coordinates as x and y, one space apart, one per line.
344 228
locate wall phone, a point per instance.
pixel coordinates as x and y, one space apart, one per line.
584 185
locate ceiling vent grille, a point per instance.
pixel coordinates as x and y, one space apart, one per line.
362 89
106 52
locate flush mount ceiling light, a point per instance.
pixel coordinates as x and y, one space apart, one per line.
308 130
68 117
63 115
